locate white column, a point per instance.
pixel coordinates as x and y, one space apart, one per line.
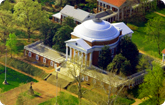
66 53
85 59
82 57
70 53
90 60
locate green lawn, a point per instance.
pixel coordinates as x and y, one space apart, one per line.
139 38
161 11
99 98
64 99
13 78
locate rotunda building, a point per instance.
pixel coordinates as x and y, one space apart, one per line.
88 38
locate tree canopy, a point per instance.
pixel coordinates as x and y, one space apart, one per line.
120 65
11 43
6 23
28 14
104 57
129 50
69 21
48 30
155 30
152 87
61 36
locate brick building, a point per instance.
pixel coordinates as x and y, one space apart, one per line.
88 38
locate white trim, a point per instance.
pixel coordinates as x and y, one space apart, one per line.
44 60
51 63
37 57
29 54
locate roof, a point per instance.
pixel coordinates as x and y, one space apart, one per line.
57 15
117 3
163 51
125 29
75 13
103 14
79 43
44 51
92 30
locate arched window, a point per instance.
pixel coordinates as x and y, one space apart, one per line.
51 63
44 60
30 54
37 57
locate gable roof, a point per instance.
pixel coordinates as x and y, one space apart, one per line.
117 3
125 29
75 13
80 43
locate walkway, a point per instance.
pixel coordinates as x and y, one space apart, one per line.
160 14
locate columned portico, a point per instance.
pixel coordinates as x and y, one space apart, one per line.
66 53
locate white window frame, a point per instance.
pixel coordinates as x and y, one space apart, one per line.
44 60
51 63
86 78
37 57
29 54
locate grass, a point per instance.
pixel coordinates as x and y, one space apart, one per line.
99 98
64 99
25 67
141 41
36 94
161 11
146 102
13 78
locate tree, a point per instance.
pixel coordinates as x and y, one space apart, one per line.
6 23
104 57
6 6
11 43
91 1
48 30
62 35
28 14
129 50
155 30
144 63
69 21
120 65
153 85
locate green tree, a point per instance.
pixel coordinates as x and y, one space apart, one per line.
129 50
104 57
120 65
155 30
91 1
48 30
6 23
153 85
61 36
28 14
144 63
69 21
11 43
6 5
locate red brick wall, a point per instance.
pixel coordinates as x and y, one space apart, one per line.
95 58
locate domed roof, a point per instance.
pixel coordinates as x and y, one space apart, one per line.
96 30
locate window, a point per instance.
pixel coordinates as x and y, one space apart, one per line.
86 78
82 78
44 60
30 54
51 63
37 57
103 5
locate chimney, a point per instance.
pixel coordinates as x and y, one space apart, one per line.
75 6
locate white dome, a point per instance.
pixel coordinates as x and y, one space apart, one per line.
96 30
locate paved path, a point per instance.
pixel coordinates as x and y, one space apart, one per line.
160 14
